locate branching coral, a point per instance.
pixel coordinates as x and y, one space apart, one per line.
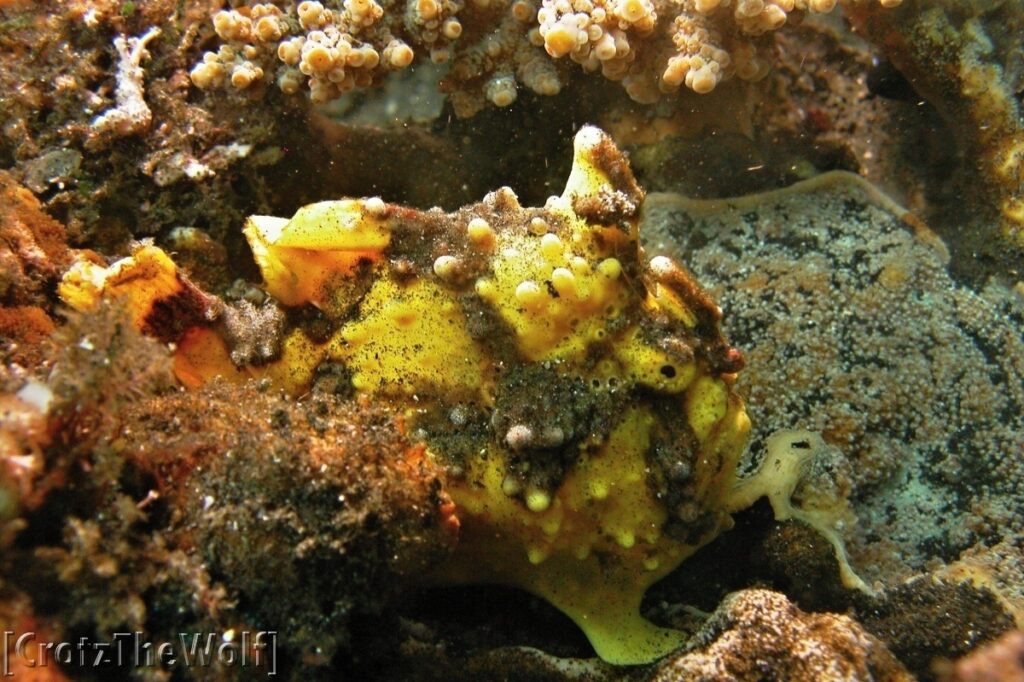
652 46
132 114
655 47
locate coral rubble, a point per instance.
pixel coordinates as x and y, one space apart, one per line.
758 630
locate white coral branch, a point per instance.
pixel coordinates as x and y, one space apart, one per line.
132 114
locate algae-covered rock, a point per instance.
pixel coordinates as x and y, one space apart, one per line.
758 634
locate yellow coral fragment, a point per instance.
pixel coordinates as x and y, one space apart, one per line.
408 339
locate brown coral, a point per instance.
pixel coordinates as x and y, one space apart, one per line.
201 504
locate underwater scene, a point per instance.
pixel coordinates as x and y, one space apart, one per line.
525 340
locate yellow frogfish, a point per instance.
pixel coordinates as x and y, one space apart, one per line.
577 393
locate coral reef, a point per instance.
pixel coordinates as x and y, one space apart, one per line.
205 167
384 402
651 47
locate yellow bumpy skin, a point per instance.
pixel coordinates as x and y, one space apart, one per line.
577 393
410 336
